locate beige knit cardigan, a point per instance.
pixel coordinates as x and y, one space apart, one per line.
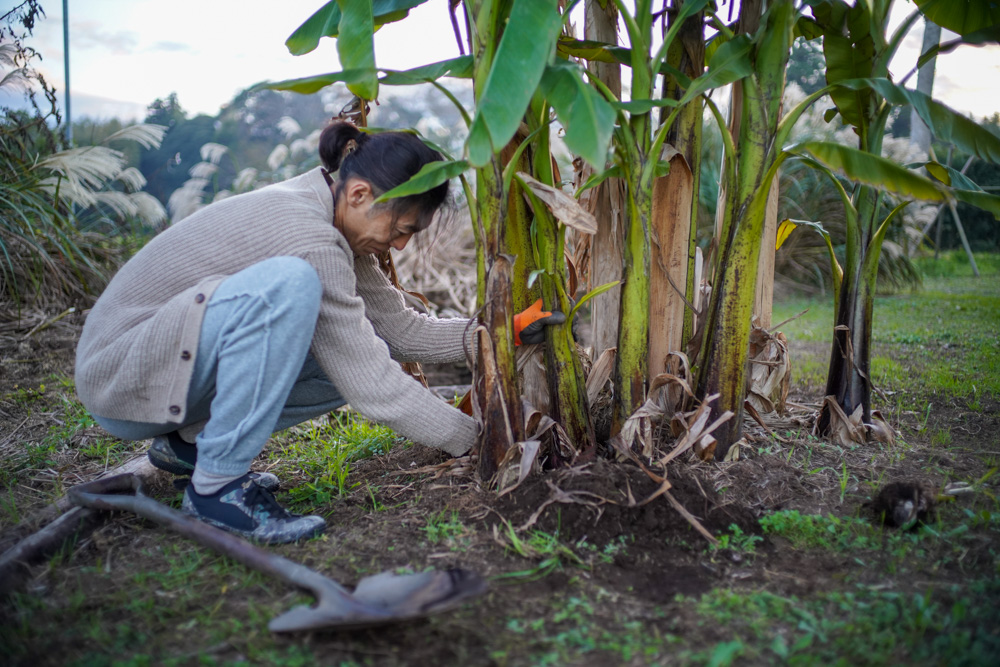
138 347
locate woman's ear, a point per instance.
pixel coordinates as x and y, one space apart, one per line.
358 191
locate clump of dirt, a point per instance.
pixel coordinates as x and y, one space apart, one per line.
604 500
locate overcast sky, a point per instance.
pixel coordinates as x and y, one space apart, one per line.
126 53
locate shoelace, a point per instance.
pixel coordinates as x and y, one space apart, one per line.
257 496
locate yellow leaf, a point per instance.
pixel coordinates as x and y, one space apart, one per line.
784 229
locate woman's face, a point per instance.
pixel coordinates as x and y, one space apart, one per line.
370 230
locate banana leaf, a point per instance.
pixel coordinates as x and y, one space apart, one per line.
460 67
356 47
948 125
525 48
326 22
877 171
961 16
430 176
586 117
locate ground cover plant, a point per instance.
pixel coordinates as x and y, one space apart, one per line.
802 571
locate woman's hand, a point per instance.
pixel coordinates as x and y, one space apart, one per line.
529 324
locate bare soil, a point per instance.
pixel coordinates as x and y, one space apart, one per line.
123 591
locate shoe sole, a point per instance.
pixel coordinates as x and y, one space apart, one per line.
255 538
172 466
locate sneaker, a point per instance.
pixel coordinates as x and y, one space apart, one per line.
245 508
168 452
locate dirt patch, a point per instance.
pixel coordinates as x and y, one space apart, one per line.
631 582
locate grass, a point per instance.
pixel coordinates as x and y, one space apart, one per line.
322 450
954 625
919 339
67 434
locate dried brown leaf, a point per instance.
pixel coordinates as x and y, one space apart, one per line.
565 209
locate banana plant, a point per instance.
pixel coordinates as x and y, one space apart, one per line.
858 49
749 168
638 147
517 82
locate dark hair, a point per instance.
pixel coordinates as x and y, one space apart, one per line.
385 160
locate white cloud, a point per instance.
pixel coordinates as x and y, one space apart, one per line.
207 51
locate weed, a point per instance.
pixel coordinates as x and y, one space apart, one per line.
23 397
8 508
736 540
571 632
320 454
376 505
74 419
610 550
941 438
444 527
362 438
821 532
539 545
109 450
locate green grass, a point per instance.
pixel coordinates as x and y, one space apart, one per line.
323 450
445 527
944 339
572 632
953 625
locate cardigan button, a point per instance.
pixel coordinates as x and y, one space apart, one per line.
175 409
185 355
199 298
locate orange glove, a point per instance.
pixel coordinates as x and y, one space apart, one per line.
529 324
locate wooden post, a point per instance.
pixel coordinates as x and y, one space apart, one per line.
764 297
607 200
672 201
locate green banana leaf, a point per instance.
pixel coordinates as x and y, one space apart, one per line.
849 51
524 51
963 188
808 28
602 52
877 171
430 175
599 177
947 175
460 67
869 268
979 199
356 47
478 145
586 117
731 62
326 22
948 125
846 60
310 84
961 16
772 46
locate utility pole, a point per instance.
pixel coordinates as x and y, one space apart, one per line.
69 120
920 134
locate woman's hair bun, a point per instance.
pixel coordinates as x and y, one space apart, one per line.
334 141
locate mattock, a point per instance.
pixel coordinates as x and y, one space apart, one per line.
377 600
